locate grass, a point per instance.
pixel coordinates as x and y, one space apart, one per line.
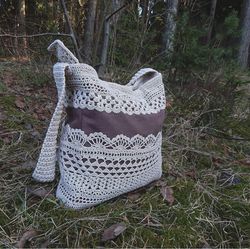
201 141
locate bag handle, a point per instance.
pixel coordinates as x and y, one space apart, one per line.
135 81
45 168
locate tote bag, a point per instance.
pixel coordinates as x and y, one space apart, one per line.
110 142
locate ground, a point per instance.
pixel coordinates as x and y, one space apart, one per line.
206 170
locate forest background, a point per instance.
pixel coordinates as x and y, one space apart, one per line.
202 49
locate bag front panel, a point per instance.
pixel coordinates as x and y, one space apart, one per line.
111 143
95 168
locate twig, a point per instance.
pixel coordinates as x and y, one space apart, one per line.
71 29
8 133
204 153
116 11
228 137
209 111
104 52
34 35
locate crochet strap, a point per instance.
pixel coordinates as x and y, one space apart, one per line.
45 168
62 53
136 78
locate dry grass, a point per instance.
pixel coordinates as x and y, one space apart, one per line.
206 166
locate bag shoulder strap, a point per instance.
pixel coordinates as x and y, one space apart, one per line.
62 53
45 168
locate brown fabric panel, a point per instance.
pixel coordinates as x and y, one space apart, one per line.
113 124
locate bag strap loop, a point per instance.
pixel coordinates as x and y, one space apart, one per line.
62 53
45 168
135 81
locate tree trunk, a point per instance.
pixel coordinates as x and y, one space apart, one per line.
245 36
211 20
105 45
99 23
54 10
20 8
21 17
145 5
88 38
170 25
117 7
30 16
72 34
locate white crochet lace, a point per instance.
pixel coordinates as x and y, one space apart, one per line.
85 90
94 167
45 168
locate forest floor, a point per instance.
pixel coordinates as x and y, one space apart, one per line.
202 199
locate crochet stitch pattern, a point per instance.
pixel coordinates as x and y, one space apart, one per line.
97 161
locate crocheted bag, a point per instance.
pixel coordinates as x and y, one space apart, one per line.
111 141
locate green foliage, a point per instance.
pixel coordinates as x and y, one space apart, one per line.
134 41
231 24
189 52
193 53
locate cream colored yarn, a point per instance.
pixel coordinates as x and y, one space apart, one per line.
94 167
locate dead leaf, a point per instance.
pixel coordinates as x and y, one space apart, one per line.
169 103
35 116
19 103
245 162
27 236
160 183
174 174
42 117
217 160
7 140
113 231
167 193
125 218
134 196
191 173
38 109
40 192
